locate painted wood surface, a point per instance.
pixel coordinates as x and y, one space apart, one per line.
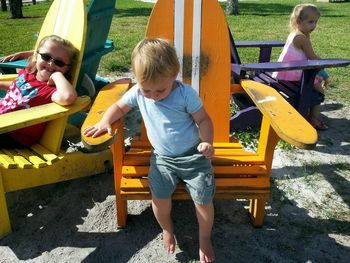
43 113
239 174
292 65
213 61
286 121
68 20
106 97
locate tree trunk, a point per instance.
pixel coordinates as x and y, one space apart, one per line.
3 5
34 2
232 7
16 8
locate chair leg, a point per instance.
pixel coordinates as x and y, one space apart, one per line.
257 211
5 226
122 211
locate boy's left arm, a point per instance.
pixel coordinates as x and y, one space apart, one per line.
206 132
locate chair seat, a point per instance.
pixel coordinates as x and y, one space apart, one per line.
248 180
36 156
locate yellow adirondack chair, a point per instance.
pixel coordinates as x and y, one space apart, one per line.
45 162
199 32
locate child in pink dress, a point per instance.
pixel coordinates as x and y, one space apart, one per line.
303 21
42 81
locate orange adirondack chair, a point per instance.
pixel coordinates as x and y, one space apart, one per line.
199 32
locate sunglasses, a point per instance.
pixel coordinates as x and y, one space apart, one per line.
47 57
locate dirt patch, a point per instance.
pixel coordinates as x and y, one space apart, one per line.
307 220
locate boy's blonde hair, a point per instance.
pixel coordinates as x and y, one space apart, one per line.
67 45
153 58
301 12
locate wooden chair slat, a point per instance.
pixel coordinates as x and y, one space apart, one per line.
19 159
45 153
7 161
33 158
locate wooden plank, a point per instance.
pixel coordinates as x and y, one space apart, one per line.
221 183
45 153
230 145
34 159
59 20
43 113
105 98
293 65
223 195
215 68
141 144
20 160
141 171
6 161
285 120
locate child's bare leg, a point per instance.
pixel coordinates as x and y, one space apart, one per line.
205 217
314 112
319 88
162 211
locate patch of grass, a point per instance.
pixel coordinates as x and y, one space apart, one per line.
258 20
18 34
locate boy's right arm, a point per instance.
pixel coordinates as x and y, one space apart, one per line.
113 113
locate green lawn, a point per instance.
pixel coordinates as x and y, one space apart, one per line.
258 20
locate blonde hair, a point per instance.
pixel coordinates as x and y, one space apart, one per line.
301 11
67 45
153 58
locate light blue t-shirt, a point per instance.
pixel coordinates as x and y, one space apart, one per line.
170 127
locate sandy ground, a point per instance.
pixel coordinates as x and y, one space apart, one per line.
307 220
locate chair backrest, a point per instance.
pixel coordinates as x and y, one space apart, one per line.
66 19
198 29
99 19
234 53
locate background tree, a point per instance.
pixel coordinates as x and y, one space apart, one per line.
232 7
3 5
16 8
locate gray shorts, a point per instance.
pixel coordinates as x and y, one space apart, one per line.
194 170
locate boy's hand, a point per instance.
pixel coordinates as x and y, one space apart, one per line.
98 129
206 149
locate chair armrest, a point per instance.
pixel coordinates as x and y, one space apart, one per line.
8 77
10 67
259 44
105 98
43 113
264 46
293 65
284 119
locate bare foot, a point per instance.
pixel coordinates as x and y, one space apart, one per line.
206 252
169 242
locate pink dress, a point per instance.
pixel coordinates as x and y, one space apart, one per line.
290 53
